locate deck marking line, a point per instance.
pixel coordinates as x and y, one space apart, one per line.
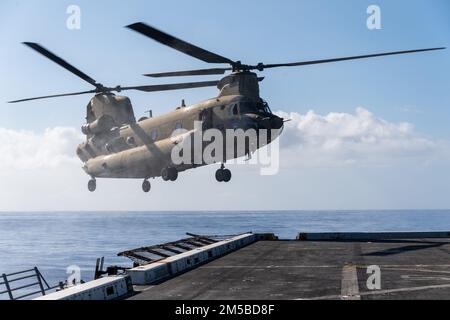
382 292
263 267
349 283
417 270
376 292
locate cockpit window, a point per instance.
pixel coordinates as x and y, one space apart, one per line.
258 107
248 107
235 110
265 106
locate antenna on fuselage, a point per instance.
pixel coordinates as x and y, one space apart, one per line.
150 113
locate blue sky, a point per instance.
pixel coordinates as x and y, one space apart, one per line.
413 88
258 31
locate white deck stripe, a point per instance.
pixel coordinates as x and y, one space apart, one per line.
349 283
383 266
382 292
439 286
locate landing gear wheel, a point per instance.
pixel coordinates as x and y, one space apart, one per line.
219 175
226 175
146 186
223 175
92 185
169 174
173 173
165 174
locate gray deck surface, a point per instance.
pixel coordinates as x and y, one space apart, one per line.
410 269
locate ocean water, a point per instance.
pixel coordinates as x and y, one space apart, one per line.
53 241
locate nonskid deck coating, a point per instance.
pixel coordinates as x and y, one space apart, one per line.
410 269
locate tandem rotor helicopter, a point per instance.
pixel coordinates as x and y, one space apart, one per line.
118 146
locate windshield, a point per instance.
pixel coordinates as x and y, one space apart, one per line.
265 106
252 107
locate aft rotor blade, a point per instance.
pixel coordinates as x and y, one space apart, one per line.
200 72
305 63
61 62
178 44
54 96
173 86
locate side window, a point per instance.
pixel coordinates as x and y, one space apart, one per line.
154 134
234 110
178 125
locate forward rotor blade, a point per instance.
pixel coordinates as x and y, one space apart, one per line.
200 72
173 86
54 96
61 62
304 63
178 44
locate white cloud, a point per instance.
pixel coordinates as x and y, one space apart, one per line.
27 150
339 139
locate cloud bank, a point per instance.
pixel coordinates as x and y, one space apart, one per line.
27 150
339 139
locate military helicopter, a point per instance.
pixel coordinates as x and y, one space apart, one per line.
119 146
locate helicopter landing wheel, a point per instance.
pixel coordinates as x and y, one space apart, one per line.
173 174
219 175
165 174
223 175
226 175
169 174
92 185
146 186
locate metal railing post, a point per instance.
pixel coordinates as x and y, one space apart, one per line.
5 279
39 280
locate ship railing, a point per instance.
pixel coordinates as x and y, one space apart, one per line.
14 284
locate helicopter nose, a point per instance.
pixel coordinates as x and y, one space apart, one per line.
273 122
276 122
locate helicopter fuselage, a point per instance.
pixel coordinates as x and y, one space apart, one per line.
143 149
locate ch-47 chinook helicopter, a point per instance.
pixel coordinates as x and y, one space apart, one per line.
118 146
